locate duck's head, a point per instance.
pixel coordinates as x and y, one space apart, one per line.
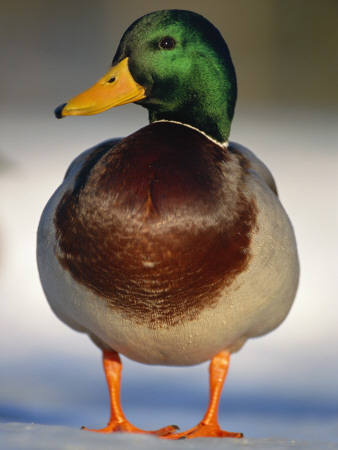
177 65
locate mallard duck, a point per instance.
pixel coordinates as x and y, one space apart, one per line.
169 246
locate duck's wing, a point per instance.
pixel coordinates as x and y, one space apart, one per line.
256 165
91 153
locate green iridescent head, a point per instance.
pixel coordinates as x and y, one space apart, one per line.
176 64
184 64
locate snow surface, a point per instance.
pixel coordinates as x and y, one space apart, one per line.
29 436
281 391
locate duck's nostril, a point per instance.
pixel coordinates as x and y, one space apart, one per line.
111 80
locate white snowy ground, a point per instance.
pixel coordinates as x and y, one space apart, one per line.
281 391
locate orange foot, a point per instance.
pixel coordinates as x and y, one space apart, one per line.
118 422
209 427
127 427
204 430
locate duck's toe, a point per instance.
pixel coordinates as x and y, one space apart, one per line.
127 427
204 430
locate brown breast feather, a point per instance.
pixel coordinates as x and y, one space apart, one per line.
157 225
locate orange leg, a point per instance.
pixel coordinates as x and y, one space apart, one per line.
118 422
209 427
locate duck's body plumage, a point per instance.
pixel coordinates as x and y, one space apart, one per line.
167 246
150 244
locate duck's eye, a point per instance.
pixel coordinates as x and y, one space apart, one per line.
167 43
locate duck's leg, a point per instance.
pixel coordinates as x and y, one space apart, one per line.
118 422
209 427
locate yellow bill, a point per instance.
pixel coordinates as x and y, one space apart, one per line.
117 87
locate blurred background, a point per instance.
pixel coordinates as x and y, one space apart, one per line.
286 55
